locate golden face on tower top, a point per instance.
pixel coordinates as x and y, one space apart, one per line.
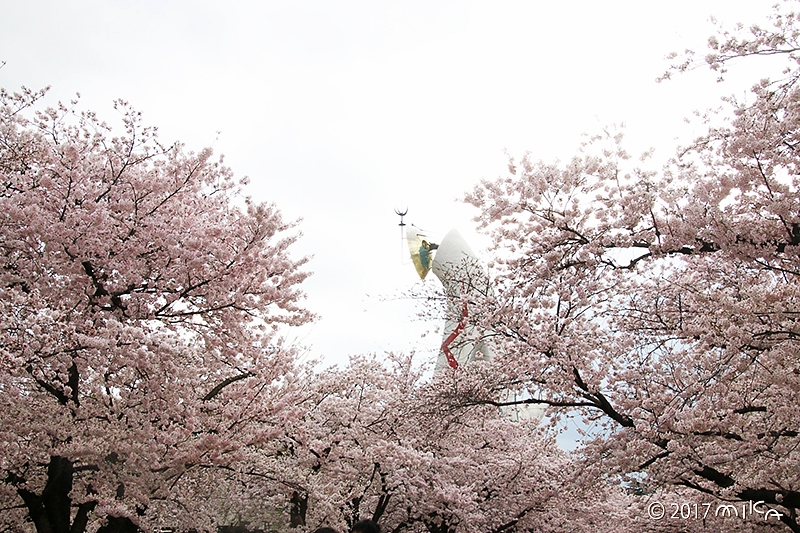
421 251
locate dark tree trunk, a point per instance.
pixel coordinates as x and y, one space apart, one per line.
50 511
383 500
118 525
297 511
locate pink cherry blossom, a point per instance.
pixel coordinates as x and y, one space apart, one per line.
141 297
662 302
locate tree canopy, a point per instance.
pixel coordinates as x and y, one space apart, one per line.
144 381
139 299
663 302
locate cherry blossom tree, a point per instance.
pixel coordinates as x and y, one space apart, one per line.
663 302
375 440
140 300
478 471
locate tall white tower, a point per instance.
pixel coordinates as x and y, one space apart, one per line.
465 279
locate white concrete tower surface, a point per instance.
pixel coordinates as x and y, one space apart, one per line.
465 281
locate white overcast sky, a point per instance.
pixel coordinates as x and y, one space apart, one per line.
339 111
